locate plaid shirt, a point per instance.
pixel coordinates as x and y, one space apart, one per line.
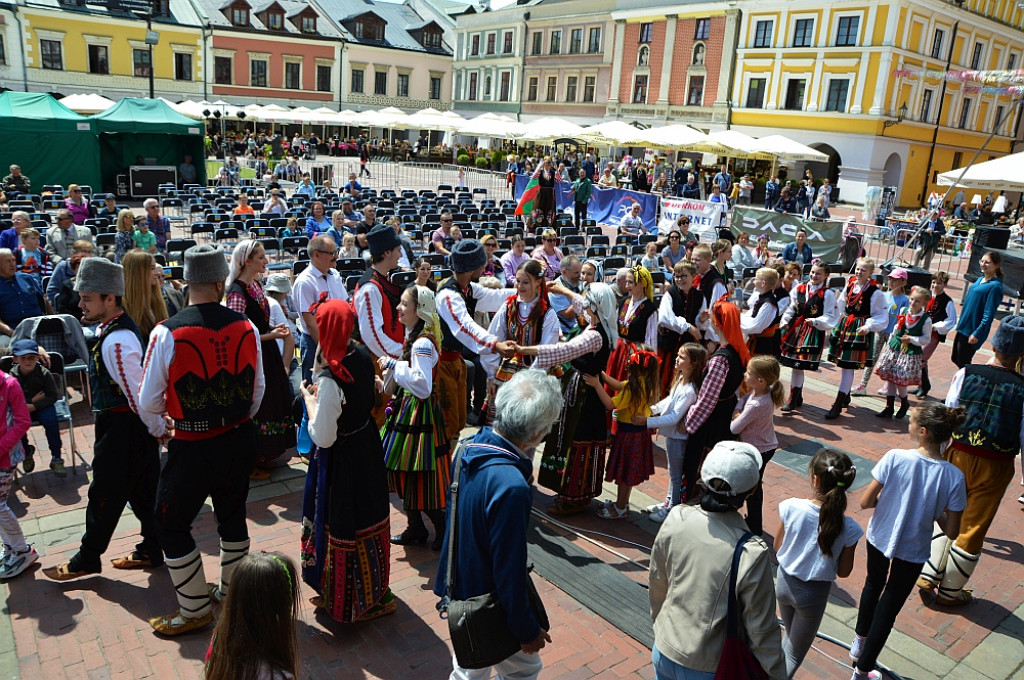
710 389
587 342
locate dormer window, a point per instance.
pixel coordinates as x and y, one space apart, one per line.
275 21
368 30
308 24
431 39
161 8
239 16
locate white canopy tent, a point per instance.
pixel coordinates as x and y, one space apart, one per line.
1000 174
87 103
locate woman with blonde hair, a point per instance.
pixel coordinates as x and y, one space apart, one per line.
143 300
123 241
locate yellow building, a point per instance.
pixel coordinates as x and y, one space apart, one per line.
73 47
823 74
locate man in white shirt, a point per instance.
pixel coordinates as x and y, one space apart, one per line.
317 282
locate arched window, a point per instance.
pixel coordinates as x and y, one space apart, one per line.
487 86
644 56
698 54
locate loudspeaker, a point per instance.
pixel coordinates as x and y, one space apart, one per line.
992 237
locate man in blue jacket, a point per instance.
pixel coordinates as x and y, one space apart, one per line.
493 514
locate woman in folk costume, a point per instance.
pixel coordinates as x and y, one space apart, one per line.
546 206
574 453
638 320
678 319
761 322
862 311
416 451
244 294
903 356
345 511
526 318
810 314
984 449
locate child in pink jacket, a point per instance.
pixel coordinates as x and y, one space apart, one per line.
16 555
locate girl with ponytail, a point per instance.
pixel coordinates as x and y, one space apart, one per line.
816 542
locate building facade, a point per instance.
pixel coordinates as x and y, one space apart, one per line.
488 60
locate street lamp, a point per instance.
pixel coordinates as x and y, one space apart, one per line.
899 118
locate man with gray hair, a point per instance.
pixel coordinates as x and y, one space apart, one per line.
21 296
16 182
620 285
494 472
20 221
159 225
570 278
319 281
61 238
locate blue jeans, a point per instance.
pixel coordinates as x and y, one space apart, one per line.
307 351
48 419
667 669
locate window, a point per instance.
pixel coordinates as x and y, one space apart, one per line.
837 92
640 90
965 114
696 91
475 48
803 34
323 78
491 41
258 73
937 43
487 87
98 62
140 63
403 85
926 105
380 82
506 48
645 32
576 41
435 87
999 117
293 76
357 81
763 33
221 70
472 86
3 53
701 29
643 56
239 16
50 53
846 35
161 8
431 40
1011 63
958 160
570 88
506 86
795 94
976 57
538 43
308 24
755 93
182 66
594 44
552 88
556 42
699 52
531 90
275 21
588 88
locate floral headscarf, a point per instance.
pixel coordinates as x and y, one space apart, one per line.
426 310
644 280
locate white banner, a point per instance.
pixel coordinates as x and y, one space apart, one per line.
705 216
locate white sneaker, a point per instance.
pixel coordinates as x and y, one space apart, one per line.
19 562
656 507
883 390
1021 500
5 553
859 391
659 516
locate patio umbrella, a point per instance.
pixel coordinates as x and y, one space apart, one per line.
672 137
87 103
613 133
786 149
733 144
548 129
492 125
999 174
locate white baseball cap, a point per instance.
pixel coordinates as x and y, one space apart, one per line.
735 463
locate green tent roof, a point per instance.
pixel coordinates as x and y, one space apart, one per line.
146 116
38 112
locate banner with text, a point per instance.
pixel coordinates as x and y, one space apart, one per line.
824 238
705 216
607 206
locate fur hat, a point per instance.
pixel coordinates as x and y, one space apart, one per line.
1009 337
205 264
467 256
381 239
100 275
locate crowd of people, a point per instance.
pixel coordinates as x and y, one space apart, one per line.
553 363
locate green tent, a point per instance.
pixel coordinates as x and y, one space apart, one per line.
147 132
51 143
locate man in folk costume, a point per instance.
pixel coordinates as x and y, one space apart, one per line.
760 323
458 299
126 465
710 284
984 449
204 369
376 302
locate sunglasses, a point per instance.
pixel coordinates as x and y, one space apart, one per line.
550 240
332 253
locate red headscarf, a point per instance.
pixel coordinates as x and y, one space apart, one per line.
727 320
335 320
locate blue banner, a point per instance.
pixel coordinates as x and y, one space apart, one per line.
607 206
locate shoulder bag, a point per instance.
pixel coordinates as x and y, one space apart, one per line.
737 661
479 625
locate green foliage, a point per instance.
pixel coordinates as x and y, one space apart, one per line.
462 158
482 162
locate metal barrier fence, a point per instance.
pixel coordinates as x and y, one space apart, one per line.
412 176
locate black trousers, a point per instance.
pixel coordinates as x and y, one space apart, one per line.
216 468
126 467
476 377
755 501
963 352
886 588
580 210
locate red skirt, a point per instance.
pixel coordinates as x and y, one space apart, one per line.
631 459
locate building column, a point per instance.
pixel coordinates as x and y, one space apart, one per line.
618 56
666 61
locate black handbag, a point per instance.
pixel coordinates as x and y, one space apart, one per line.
479 625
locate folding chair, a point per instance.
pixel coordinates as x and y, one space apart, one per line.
49 334
176 248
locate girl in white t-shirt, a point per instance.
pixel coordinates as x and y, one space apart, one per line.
815 544
910 491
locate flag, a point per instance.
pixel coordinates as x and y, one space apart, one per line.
528 198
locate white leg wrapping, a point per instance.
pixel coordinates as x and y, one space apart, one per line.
935 567
231 553
189 581
960 567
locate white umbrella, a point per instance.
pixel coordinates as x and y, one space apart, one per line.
492 125
613 133
1000 174
432 119
787 149
87 103
672 137
548 129
731 143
